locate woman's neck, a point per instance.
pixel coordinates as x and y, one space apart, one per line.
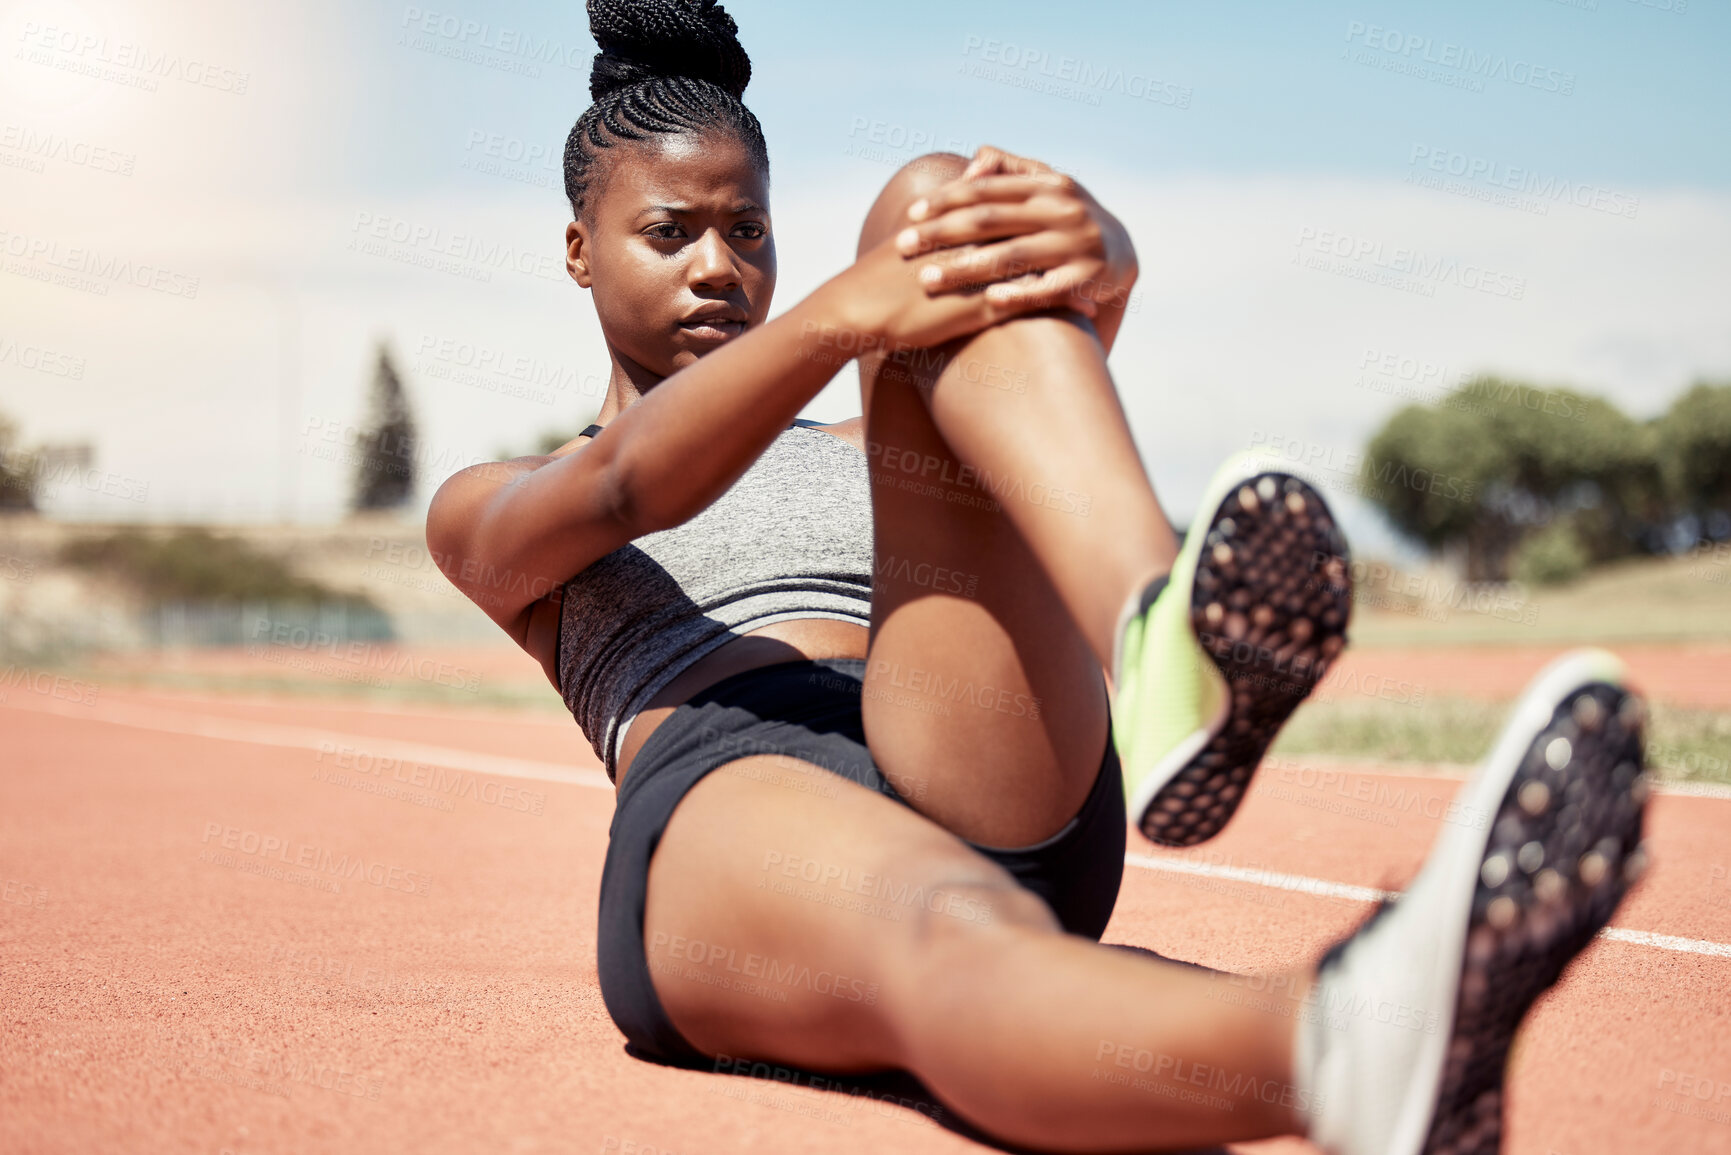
626 385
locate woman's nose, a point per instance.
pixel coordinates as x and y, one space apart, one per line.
712 265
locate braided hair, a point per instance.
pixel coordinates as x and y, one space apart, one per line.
665 67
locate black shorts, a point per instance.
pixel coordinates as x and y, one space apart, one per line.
810 711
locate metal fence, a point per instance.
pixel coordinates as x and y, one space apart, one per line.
179 624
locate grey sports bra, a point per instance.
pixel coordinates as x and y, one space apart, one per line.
791 539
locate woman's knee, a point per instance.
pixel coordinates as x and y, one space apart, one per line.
955 901
961 912
915 179
959 922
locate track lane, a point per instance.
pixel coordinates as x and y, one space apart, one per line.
152 984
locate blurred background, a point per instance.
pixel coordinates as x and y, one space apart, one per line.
271 274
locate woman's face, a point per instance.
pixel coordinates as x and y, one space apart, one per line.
676 248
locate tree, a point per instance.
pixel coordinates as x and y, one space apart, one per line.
385 473
20 470
1419 443
1497 460
1695 447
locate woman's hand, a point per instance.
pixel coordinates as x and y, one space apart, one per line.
881 304
1033 232
1009 236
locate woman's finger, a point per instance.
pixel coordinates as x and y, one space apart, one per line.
978 224
957 193
952 270
986 160
1052 289
989 160
956 315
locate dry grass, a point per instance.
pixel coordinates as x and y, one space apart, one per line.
1685 598
1682 745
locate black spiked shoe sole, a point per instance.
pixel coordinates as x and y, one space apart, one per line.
1269 605
1565 845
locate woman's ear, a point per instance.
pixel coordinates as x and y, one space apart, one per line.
577 253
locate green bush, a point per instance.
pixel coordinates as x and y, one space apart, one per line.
195 565
1552 556
1695 436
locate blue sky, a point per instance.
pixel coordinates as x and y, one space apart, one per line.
1269 91
1575 150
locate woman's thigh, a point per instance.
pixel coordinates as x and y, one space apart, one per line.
979 684
787 924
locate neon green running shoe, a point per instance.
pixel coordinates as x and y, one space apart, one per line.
1219 654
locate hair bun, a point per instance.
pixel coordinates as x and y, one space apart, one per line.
643 39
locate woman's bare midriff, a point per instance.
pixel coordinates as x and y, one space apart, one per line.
804 639
793 641
801 640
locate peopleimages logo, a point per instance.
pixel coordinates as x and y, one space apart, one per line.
91 269
41 359
44 146
462 254
755 971
1419 267
1039 70
278 852
1414 49
472 36
1517 179
361 656
476 363
136 65
47 684
1357 471
1172 1076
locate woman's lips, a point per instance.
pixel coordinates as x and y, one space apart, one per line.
713 329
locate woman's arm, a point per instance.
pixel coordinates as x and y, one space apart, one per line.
507 534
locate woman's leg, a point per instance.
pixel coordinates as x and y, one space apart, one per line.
1013 521
1005 457
1030 407
848 934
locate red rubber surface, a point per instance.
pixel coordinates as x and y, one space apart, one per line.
1695 676
153 1000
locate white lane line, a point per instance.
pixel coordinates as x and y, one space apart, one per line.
1667 942
478 715
331 742
1293 882
1321 889
305 738
206 725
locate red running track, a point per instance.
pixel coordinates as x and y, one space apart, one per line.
159 994
1694 676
